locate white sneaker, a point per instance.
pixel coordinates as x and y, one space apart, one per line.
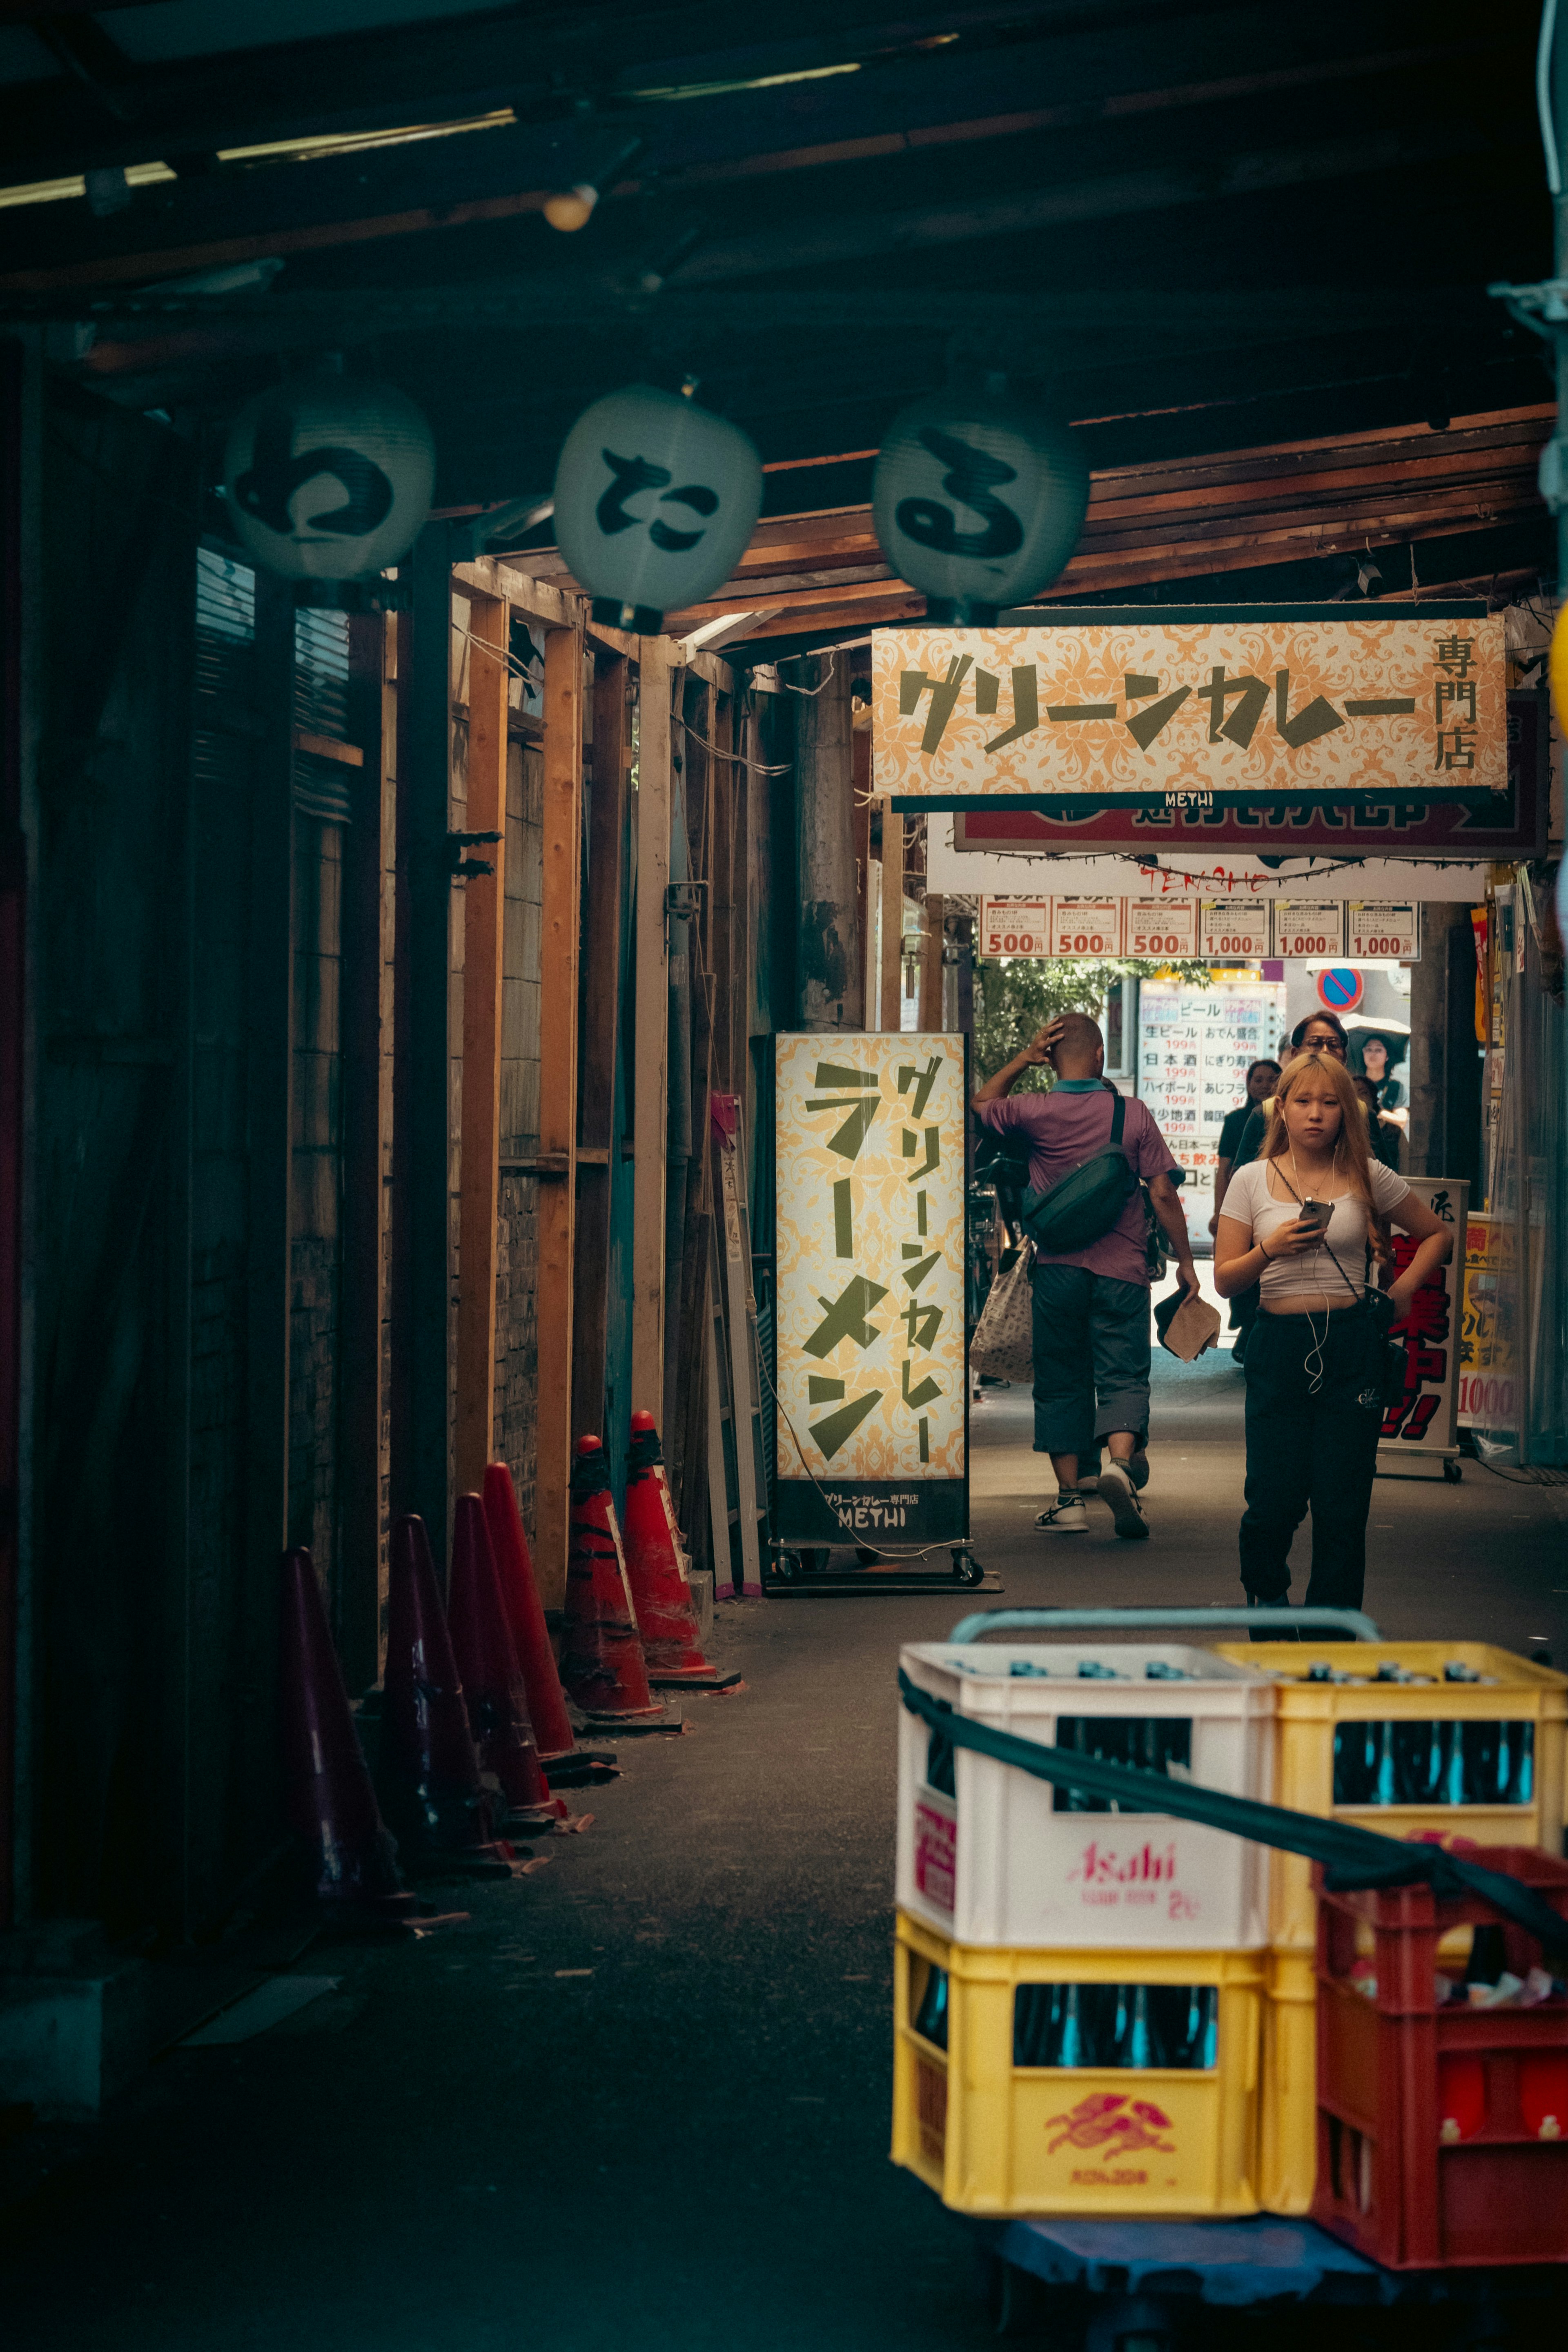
1116 1488
1065 1516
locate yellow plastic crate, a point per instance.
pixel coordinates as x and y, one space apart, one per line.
1308 1713
994 2137
1288 2137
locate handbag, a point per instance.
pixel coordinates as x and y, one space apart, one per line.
1086 1203
1003 1345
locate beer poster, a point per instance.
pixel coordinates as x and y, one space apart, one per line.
872 1409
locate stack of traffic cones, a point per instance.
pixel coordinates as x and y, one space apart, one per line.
429 1771
602 1663
330 1796
656 1570
492 1680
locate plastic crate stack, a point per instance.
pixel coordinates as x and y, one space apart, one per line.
1367 2009
1080 1992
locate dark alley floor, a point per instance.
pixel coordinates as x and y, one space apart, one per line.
643 2095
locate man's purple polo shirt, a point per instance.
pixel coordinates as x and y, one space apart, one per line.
1063 1130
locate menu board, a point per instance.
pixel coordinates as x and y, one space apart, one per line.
1308 926
1375 926
1016 926
1234 926
1086 927
1193 1048
1162 927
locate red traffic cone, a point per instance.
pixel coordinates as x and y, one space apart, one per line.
331 1800
430 1774
656 1570
525 1614
492 1680
602 1666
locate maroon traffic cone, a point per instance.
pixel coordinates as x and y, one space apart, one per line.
492 1680
331 1800
656 1570
525 1614
430 1773
602 1665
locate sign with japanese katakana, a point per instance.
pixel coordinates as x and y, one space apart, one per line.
873 1418
1421 1431
1100 705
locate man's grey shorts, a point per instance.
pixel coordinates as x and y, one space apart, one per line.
1092 1358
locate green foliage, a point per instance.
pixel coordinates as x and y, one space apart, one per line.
1017 995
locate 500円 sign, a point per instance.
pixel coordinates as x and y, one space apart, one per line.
1103 705
870 1289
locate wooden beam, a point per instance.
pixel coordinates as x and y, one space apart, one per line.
478 1196
558 932
651 1112
601 1026
829 987
892 918
931 944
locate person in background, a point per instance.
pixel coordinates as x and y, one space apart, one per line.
1261 1079
1376 1057
1092 1318
1319 1033
1381 1133
1314 1394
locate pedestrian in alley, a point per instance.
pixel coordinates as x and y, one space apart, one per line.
1319 1033
1301 1222
1262 1078
1091 1303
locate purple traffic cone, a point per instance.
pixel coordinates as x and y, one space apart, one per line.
331 1800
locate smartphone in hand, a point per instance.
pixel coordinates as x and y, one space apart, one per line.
1317 1213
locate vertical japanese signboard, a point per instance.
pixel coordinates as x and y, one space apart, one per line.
872 1419
1419 1434
1486 1336
1193 1048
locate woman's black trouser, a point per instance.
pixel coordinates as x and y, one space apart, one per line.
1308 1450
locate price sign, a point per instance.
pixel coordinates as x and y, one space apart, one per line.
1234 926
1308 926
1374 927
1016 926
1162 927
1086 927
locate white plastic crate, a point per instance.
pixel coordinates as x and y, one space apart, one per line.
993 1861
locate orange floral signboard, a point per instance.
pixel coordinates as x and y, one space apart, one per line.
1107 707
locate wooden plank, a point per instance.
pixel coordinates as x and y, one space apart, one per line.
745 1387
651 1074
892 917
478 1197
932 945
601 1016
558 935
723 1514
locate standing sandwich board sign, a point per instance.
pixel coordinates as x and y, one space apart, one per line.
1420 1436
872 1425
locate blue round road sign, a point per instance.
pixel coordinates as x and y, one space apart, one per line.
1340 987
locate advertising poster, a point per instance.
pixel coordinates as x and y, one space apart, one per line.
1193 1048
1419 1433
1103 704
1234 926
1486 1342
1308 926
872 1408
1376 928
1019 927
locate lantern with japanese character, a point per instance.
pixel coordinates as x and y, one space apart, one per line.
655 501
978 500
328 478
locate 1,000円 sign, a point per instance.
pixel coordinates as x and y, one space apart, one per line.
870 1335
1104 705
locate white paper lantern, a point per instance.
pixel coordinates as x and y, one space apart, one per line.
329 478
978 500
655 500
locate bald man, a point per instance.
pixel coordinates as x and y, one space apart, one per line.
1091 1313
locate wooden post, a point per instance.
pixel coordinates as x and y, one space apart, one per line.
829 987
931 944
727 885
892 918
651 1083
478 1197
561 885
865 906
598 1144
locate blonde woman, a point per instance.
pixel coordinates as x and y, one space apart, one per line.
1299 1221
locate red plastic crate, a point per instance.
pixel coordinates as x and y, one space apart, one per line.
1442 2132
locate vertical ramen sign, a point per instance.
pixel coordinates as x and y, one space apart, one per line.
872 1421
